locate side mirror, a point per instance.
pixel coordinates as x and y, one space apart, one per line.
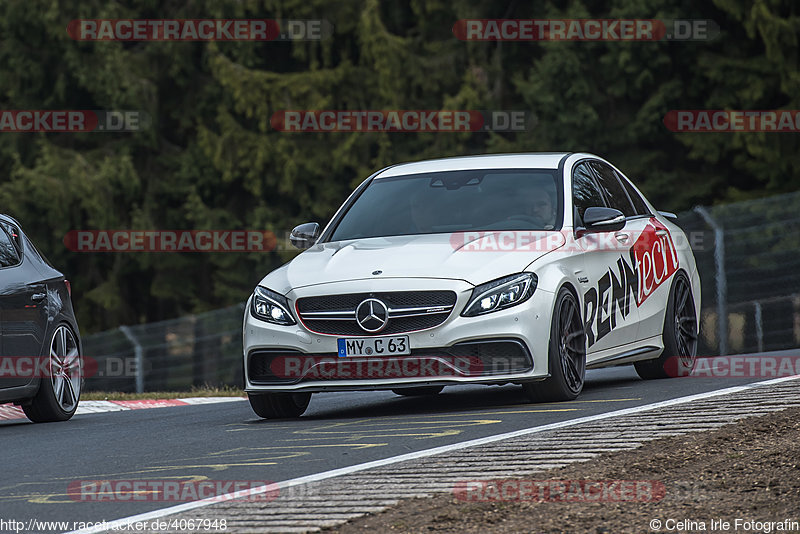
304 235
603 220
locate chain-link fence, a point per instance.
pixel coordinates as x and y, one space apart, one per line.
749 261
748 254
198 350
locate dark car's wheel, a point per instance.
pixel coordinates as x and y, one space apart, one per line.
60 391
279 405
418 391
566 354
680 335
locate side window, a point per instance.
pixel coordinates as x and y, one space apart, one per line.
13 232
8 251
612 189
638 204
585 193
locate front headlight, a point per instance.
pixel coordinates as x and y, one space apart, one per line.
271 307
499 294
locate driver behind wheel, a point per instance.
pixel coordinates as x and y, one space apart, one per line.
538 207
541 208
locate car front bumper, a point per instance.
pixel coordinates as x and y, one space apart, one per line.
505 346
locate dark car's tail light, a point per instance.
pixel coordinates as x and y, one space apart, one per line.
69 287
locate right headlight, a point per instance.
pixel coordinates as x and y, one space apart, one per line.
500 294
270 306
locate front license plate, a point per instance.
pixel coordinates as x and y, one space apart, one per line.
374 346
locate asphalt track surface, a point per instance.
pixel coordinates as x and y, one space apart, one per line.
228 442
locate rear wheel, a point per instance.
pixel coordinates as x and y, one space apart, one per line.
279 405
418 391
60 391
680 335
566 354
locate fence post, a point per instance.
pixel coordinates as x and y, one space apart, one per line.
722 286
139 354
759 326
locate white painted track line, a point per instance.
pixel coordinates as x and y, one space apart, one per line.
10 412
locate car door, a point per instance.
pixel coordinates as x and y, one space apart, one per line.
656 259
633 238
610 282
23 313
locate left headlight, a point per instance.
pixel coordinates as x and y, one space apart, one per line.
272 307
499 294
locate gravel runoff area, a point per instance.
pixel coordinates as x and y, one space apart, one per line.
743 477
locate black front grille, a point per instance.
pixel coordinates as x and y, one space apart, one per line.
393 300
395 326
484 358
496 357
396 299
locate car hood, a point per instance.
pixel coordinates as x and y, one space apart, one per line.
475 257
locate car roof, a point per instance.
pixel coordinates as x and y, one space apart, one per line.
9 219
533 160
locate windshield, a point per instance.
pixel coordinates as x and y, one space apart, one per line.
454 201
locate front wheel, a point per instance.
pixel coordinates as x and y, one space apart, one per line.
566 354
680 335
60 391
279 405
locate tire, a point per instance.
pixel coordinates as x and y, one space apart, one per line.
679 335
566 354
279 405
59 392
418 391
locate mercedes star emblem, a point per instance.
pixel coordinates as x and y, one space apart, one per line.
372 315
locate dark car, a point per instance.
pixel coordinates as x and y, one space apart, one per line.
41 367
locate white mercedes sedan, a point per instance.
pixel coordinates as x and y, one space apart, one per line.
522 268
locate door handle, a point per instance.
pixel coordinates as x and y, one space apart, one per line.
621 237
661 233
38 296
